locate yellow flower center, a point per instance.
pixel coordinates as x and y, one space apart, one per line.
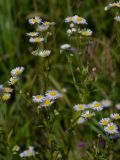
35 20
47 102
104 123
18 72
79 19
96 105
111 128
80 107
52 93
5 97
85 33
37 39
38 97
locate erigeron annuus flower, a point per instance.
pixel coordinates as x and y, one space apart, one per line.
47 102
117 106
117 18
81 120
87 114
79 107
115 116
6 96
65 46
36 39
106 103
104 121
44 53
52 94
28 153
69 19
13 80
7 90
86 32
17 71
96 106
34 20
42 28
111 128
33 34
38 98
79 20
110 5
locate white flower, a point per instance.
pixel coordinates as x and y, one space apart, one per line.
96 106
7 90
69 31
32 34
74 30
81 120
87 114
36 39
111 128
13 80
38 98
69 19
52 94
115 116
35 20
44 53
65 46
104 121
117 18
79 20
6 96
42 27
79 107
28 153
106 103
71 25
117 106
17 71
86 32
47 102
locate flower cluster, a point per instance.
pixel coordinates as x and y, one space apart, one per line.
40 35
30 152
74 24
48 99
5 92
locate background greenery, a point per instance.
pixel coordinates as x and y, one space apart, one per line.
97 77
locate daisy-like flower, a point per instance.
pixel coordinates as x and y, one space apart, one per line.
13 80
106 103
69 19
8 90
117 18
117 106
79 107
72 25
65 46
35 20
38 98
69 31
86 32
115 116
87 114
104 121
52 94
42 53
79 20
111 128
28 153
36 39
81 120
6 96
47 102
17 71
96 106
115 4
42 28
74 30
32 34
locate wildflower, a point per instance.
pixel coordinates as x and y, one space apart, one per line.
68 19
46 102
42 27
79 20
96 106
13 80
115 116
87 114
104 121
74 30
17 71
32 34
48 23
111 128
106 103
65 46
81 120
79 107
16 148
86 32
69 31
35 20
117 106
6 96
71 25
52 94
38 98
8 90
115 4
42 53
36 39
117 18
28 153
